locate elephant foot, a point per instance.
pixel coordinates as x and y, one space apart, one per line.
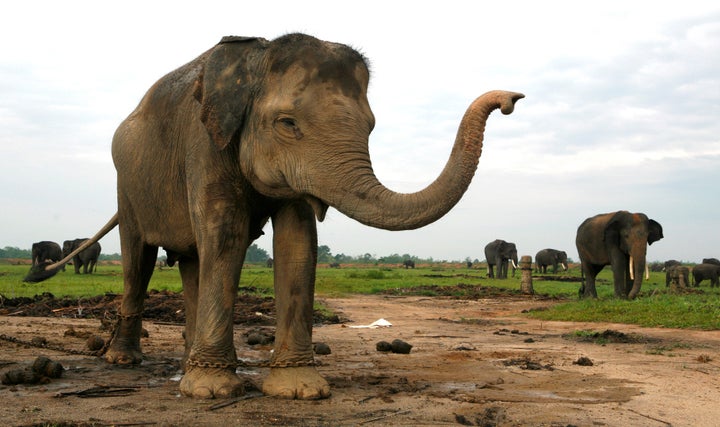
121 354
209 383
296 383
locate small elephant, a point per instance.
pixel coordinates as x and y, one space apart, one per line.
500 253
44 251
679 274
408 263
87 259
251 131
618 239
547 257
709 272
670 263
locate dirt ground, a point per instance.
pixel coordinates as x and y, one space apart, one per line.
474 361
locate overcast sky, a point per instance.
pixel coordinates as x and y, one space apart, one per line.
622 111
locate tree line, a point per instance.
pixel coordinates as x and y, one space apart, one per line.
256 254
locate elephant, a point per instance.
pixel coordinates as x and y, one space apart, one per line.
46 250
706 272
546 257
408 263
618 239
680 274
251 131
500 253
711 261
671 263
87 258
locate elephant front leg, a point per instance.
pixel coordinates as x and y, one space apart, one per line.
293 374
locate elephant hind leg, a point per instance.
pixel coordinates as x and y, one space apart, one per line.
138 264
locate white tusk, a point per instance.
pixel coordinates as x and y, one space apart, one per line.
647 272
632 268
513 263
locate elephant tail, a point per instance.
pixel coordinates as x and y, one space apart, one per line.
46 270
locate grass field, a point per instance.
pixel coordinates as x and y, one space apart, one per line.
698 309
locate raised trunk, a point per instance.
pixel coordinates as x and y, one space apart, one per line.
362 197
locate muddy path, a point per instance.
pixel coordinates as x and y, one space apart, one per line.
474 361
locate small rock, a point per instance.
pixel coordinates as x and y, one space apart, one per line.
583 361
400 346
322 348
383 346
95 343
464 347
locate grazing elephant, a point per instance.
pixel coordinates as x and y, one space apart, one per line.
408 263
253 130
711 261
706 272
46 250
618 239
678 273
500 253
87 258
553 257
671 263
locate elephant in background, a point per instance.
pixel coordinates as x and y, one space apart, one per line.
671 263
711 261
87 259
408 263
46 250
706 272
618 239
248 132
680 274
500 253
547 257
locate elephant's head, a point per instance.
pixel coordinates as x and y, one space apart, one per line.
561 258
631 233
297 108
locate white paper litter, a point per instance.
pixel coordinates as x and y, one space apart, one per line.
380 323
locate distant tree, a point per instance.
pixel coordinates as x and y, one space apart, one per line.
256 254
14 252
324 254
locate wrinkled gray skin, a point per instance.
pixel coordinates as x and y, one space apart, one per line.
709 272
46 250
87 259
255 130
550 257
500 253
612 239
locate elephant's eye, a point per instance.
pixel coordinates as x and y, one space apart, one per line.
287 121
288 126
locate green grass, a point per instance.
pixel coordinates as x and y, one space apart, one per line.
654 307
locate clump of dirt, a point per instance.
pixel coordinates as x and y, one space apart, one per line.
608 336
461 291
163 306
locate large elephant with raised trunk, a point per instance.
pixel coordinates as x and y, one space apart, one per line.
253 130
619 239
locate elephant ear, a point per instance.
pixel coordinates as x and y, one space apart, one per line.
613 226
655 231
226 86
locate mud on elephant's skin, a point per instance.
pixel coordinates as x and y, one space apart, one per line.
500 253
255 130
550 257
618 239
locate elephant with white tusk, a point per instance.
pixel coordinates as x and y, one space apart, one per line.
255 130
501 253
618 239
